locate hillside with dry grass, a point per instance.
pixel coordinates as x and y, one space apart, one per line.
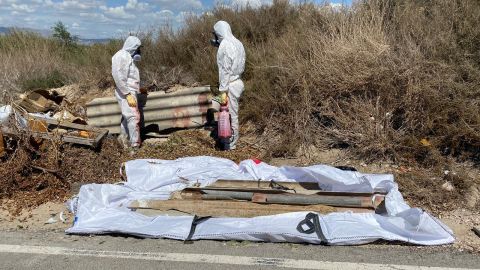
391 80
377 77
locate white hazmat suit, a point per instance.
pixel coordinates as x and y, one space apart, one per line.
127 79
231 64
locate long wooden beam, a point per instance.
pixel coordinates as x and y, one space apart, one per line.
221 208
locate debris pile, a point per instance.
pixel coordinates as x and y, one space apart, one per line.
36 131
225 198
42 115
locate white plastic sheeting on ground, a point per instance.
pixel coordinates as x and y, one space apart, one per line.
103 208
5 113
8 116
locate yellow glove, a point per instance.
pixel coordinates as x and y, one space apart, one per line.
223 98
132 102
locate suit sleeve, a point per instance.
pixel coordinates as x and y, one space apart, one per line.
120 70
225 65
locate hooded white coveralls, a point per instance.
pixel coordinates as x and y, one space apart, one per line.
127 79
231 64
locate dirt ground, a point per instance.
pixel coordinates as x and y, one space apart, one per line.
42 218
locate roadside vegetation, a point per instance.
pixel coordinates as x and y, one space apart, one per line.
395 80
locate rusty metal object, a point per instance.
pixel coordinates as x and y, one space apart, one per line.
299 187
273 196
298 199
184 108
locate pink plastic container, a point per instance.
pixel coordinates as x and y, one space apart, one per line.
224 127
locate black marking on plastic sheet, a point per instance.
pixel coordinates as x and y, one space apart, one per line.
312 222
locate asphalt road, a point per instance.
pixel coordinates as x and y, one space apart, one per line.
55 250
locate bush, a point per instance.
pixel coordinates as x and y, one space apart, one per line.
377 77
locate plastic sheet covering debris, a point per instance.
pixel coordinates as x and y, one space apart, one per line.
185 108
104 208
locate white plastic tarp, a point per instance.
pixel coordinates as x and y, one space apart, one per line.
103 208
8 115
5 113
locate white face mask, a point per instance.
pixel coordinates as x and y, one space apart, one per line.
137 57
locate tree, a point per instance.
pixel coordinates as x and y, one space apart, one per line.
61 33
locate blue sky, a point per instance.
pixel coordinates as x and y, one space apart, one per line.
110 18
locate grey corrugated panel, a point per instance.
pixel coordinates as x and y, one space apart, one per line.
157 126
153 104
181 109
156 95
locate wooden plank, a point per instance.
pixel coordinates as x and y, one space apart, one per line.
71 125
77 140
65 138
100 137
74 139
233 208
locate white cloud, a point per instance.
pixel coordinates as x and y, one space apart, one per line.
96 17
135 5
118 13
71 5
22 8
161 14
8 1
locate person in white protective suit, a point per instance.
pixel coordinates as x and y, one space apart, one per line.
231 64
127 80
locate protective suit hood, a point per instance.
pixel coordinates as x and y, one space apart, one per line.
131 44
223 30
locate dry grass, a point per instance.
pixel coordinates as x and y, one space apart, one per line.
377 77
